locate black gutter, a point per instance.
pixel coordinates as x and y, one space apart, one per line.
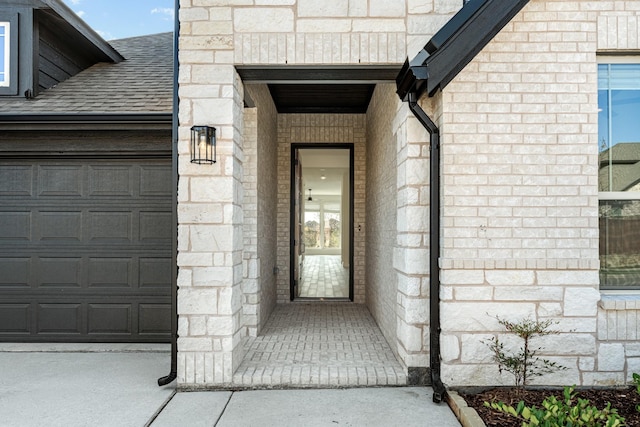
173 374
439 390
86 118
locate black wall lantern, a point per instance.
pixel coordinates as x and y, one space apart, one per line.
203 144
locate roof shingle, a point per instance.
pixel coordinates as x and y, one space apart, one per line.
143 83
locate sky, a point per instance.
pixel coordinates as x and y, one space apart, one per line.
118 19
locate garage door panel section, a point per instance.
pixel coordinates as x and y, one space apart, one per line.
15 225
110 272
111 180
154 319
59 318
60 180
15 273
64 226
154 182
16 180
154 273
59 272
113 227
85 248
155 227
16 319
109 319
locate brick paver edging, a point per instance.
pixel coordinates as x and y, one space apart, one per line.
467 416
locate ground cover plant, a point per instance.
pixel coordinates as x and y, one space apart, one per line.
522 406
625 400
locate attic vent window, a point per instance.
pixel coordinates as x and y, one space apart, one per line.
5 53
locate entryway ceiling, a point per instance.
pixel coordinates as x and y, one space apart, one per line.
322 98
326 89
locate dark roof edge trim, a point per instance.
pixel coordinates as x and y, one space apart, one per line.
455 45
317 73
120 118
472 36
83 28
453 25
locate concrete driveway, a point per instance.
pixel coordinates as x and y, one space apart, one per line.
62 387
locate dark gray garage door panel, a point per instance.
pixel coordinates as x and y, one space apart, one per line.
85 250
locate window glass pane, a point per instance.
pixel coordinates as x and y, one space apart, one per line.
311 229
619 244
332 227
603 140
624 76
4 53
619 171
619 127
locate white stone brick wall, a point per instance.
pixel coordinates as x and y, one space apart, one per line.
321 128
267 153
251 289
381 207
337 31
259 231
210 218
520 220
618 352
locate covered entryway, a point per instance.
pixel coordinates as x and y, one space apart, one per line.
297 336
86 245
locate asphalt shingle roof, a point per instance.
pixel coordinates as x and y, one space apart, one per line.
142 83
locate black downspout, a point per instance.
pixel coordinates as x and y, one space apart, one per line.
439 391
173 374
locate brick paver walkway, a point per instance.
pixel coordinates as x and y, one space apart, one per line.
324 277
318 345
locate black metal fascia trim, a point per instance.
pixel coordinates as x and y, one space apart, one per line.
439 390
411 79
453 25
89 118
307 73
471 36
173 373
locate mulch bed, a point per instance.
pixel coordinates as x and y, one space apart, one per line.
624 400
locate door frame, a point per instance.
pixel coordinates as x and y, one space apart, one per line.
292 201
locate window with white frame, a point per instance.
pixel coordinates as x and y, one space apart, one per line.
5 54
619 173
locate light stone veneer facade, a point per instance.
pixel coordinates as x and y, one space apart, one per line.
519 182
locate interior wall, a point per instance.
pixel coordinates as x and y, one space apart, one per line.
381 207
320 128
260 196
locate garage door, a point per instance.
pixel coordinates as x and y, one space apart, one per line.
85 249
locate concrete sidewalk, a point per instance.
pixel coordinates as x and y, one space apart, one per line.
387 406
75 385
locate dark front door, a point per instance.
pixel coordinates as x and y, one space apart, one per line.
85 249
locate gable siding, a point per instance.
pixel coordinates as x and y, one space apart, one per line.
58 57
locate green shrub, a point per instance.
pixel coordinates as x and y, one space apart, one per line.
524 363
569 412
